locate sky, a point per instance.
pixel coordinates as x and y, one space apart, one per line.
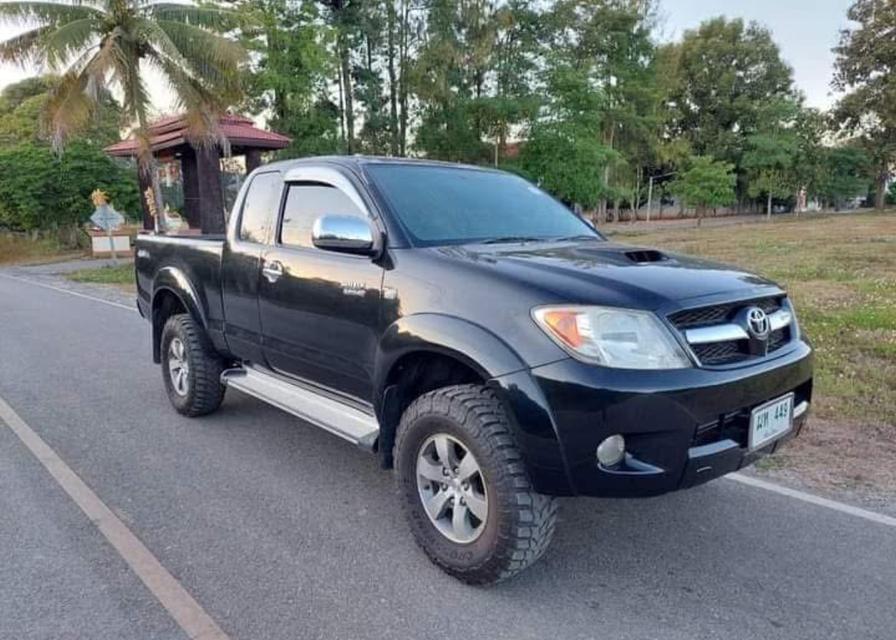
806 30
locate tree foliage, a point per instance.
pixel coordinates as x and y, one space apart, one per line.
706 183
23 104
846 175
866 70
41 189
288 73
722 77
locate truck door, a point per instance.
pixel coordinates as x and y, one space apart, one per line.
241 264
320 309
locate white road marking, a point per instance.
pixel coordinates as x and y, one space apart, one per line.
813 499
69 292
188 613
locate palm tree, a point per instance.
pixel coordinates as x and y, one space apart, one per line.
100 44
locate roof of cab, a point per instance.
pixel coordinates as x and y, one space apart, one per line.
357 161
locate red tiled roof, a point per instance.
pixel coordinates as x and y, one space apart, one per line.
171 132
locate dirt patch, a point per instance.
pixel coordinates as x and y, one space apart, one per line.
840 457
832 296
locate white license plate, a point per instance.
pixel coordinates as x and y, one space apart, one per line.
771 421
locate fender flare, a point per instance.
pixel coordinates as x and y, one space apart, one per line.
174 281
448 335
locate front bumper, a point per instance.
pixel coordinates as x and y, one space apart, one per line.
682 427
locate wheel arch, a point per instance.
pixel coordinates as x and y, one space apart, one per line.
423 352
172 294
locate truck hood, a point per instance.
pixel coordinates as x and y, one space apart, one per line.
599 272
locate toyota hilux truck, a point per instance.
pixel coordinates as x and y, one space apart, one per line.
490 347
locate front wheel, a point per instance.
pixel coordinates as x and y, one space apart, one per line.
464 488
191 368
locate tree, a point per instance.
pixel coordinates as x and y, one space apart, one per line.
722 77
514 64
344 16
608 43
41 190
106 43
866 70
706 183
23 103
847 174
770 154
565 153
287 78
450 79
810 131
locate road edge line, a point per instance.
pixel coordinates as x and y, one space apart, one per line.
69 292
811 498
171 594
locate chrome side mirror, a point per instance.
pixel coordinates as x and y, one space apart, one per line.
346 234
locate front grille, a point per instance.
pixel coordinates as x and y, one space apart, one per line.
729 351
719 352
778 338
719 313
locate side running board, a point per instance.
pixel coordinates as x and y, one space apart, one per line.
336 417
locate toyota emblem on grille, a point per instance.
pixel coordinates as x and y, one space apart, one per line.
758 324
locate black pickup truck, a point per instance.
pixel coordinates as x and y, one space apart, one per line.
484 341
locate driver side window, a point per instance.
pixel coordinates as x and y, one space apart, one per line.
305 203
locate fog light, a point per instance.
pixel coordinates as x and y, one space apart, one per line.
611 450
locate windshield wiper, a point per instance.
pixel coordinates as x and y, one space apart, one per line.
509 239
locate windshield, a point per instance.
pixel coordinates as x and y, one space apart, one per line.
446 205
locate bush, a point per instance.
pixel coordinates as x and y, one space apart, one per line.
40 190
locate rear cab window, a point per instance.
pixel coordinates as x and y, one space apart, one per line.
260 207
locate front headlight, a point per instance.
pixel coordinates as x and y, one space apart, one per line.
621 338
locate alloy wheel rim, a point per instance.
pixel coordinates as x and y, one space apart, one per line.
178 367
452 488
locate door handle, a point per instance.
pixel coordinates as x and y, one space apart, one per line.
272 271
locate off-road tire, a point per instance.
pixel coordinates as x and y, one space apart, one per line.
204 389
520 522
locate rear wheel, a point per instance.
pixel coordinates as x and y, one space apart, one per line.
464 488
191 368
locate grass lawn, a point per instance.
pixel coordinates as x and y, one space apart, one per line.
840 271
121 276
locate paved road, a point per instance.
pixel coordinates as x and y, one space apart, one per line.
280 530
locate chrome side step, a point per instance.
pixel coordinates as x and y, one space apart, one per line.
336 417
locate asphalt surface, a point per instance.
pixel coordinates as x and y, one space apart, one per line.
280 530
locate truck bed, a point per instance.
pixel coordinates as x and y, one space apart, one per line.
195 259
